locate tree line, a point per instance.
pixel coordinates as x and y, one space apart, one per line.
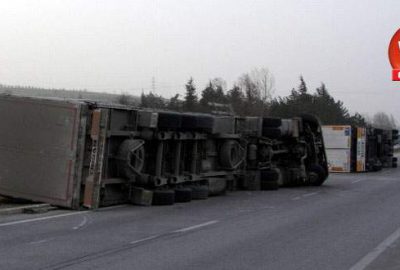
252 95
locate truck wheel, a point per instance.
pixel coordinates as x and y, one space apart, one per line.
317 175
189 121
230 154
163 197
183 195
131 158
197 122
169 120
217 186
199 192
272 132
270 122
205 123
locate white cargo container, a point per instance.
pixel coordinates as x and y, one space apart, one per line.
337 137
339 160
345 148
338 147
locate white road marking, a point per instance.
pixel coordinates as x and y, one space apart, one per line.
310 194
371 256
60 215
296 198
41 218
102 209
39 242
176 231
83 223
194 227
144 239
356 181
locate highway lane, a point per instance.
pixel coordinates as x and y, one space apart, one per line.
348 222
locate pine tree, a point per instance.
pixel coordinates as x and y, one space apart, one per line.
152 101
207 95
212 93
174 103
302 87
143 100
322 91
190 103
236 99
358 120
321 104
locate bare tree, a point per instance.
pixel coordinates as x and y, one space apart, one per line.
383 120
264 81
219 83
253 104
249 87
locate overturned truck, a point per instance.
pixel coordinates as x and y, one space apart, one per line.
359 149
78 153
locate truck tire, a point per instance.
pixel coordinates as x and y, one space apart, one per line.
217 186
230 154
271 122
272 133
183 195
163 197
199 192
131 155
169 120
205 122
319 175
197 122
189 121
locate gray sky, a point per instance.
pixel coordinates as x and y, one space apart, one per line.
121 45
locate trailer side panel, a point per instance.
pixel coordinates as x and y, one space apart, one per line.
38 145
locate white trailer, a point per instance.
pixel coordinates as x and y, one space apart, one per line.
345 148
338 147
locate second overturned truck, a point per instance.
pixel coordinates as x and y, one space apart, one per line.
79 153
359 149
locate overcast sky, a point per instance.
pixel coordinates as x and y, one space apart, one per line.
120 45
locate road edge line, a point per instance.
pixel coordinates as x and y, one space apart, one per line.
374 254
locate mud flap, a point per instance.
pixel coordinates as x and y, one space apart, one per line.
91 197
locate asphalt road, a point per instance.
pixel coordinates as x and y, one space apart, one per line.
352 222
